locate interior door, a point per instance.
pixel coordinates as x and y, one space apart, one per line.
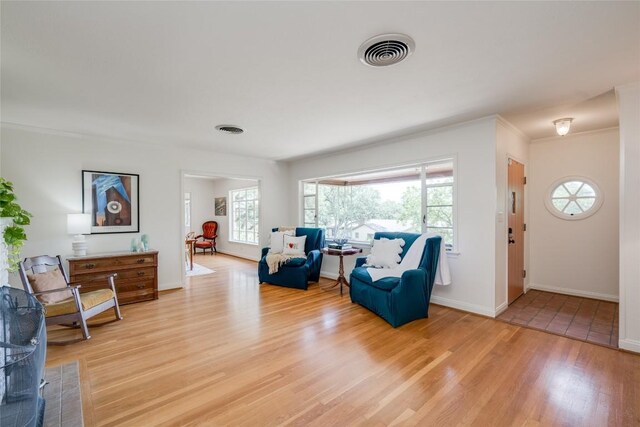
516 230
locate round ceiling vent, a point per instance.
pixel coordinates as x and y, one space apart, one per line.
230 129
386 49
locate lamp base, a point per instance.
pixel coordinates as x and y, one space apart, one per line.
79 246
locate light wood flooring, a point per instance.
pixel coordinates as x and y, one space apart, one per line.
227 351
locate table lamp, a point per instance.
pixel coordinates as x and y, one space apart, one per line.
79 225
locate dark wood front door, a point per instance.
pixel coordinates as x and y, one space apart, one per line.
516 230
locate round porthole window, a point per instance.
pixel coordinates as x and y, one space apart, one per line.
574 198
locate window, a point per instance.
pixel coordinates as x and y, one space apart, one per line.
411 199
187 211
573 198
245 215
439 201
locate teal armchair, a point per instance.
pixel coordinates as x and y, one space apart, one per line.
398 300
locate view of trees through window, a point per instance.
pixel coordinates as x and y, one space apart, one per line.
245 215
355 211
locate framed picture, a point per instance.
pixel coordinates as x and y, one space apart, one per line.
113 201
221 206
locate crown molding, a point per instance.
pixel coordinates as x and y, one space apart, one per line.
571 135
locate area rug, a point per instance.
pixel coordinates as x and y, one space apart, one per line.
198 270
63 397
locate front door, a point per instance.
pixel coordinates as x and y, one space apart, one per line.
516 230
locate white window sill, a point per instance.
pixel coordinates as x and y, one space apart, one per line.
243 243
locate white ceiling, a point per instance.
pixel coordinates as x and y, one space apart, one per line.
168 72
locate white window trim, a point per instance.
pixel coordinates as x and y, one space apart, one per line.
575 217
454 251
231 216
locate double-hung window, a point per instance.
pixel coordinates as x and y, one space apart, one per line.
245 215
414 199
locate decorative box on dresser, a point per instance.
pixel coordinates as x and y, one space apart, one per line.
137 278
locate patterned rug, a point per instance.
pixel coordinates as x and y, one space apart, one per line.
63 397
198 270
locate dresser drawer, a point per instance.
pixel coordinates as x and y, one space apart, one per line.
111 264
131 297
135 285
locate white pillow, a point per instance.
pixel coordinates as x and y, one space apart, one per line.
385 253
294 245
277 240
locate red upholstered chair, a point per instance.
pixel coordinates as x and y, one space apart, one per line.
207 240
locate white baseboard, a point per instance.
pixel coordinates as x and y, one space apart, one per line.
329 275
239 255
629 345
168 286
464 306
574 292
502 307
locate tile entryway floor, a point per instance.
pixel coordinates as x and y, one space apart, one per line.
575 317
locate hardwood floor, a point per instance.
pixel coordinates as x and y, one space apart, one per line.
227 351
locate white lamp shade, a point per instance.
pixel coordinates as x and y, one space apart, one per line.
79 223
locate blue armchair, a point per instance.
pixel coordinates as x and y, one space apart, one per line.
298 272
398 300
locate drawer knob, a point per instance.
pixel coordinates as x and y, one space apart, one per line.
89 265
140 273
141 286
140 261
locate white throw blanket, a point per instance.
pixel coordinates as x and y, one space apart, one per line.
412 260
274 261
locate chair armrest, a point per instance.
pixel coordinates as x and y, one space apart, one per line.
360 261
198 236
51 291
313 255
264 252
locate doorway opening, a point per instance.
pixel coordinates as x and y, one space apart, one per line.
221 215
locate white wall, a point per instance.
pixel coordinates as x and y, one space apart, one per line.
510 143
46 170
575 257
629 111
202 203
221 187
474 145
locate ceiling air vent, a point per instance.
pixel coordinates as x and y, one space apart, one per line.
230 129
386 49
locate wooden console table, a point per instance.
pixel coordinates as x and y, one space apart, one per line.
137 274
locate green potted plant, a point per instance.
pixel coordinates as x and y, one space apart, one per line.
12 220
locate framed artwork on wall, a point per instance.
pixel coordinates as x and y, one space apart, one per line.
221 206
113 201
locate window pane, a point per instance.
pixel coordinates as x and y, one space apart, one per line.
572 208
309 202
445 233
243 235
309 188
560 192
560 203
573 186
239 195
586 191
252 193
236 235
586 203
440 216
440 196
310 217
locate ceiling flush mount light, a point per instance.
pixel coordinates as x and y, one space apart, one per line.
563 125
230 129
386 49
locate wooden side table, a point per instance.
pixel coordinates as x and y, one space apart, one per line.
341 253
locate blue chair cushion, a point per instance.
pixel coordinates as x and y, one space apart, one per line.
386 284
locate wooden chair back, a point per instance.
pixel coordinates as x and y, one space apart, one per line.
39 264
